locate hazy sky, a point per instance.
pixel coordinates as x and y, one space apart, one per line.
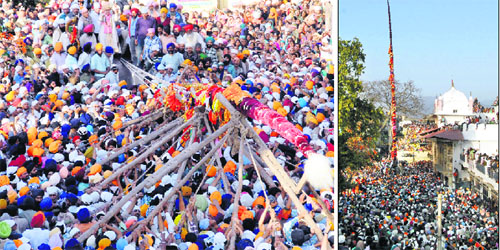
434 42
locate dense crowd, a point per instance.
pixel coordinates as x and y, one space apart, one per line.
411 141
64 110
399 211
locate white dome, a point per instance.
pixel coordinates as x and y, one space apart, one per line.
454 102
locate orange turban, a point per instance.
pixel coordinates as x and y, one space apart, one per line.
282 111
58 46
96 168
37 143
309 84
211 171
217 196
4 180
259 201
42 134
230 167
54 146
48 141
23 191
320 117
144 209
118 124
212 210
21 171
34 180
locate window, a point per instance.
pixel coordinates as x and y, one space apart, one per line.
455 111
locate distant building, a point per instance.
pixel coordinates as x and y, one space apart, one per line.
465 144
452 106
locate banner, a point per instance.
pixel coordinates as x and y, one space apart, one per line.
196 5
234 4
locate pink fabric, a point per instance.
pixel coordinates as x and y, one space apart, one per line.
107 24
258 111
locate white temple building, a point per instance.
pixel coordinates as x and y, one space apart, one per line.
465 154
452 106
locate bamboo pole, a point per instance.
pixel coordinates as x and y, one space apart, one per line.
234 216
263 173
143 141
152 179
149 117
148 152
183 165
181 183
268 157
224 177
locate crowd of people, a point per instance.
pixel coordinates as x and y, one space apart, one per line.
63 110
398 210
490 162
411 141
477 107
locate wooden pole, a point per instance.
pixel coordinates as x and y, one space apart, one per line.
148 152
439 224
234 216
268 157
143 141
183 165
152 179
224 177
263 173
181 183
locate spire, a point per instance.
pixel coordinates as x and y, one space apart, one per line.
452 84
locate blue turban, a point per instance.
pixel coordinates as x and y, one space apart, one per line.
90 128
83 215
121 244
46 204
302 102
109 50
18 61
49 215
119 139
44 246
20 200
65 130
204 224
209 38
10 245
244 243
173 5
72 243
72 198
170 45
27 39
51 164
121 158
86 67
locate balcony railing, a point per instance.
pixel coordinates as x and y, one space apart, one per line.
493 173
462 157
480 168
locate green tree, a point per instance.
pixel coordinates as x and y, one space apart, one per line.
359 119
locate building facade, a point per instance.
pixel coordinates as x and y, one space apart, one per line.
465 151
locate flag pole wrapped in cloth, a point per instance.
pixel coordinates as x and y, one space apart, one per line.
317 167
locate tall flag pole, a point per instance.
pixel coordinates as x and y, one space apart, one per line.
394 151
